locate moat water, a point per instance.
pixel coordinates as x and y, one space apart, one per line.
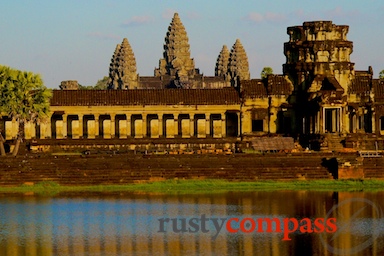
232 223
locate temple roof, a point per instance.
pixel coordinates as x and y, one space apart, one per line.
325 83
253 88
226 96
360 84
378 89
273 85
278 85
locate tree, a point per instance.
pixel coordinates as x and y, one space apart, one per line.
381 74
102 84
23 97
265 72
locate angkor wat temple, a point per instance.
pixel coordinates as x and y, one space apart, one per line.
320 99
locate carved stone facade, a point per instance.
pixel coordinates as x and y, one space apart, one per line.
318 48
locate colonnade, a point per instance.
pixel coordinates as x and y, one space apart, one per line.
131 125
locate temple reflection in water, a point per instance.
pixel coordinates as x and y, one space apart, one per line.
128 224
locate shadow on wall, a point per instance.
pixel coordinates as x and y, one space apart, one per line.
332 166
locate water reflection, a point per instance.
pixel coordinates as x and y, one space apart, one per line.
128 224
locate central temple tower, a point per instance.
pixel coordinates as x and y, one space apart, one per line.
176 61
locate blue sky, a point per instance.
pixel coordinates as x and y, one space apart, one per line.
75 39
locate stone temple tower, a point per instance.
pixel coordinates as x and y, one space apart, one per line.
318 64
222 61
238 67
177 61
122 70
318 48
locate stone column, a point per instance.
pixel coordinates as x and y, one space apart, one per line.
345 118
144 118
223 126
65 126
208 125
191 125
361 119
176 128
322 117
113 125
160 124
81 125
335 121
373 120
238 124
129 125
272 120
15 128
97 125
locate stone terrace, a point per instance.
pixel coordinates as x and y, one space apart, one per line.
131 168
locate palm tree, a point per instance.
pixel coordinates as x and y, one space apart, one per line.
2 149
23 97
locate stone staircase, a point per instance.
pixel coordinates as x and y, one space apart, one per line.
334 142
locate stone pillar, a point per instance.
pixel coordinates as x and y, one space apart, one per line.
97 126
15 128
144 127
334 122
160 118
360 119
223 126
46 130
65 126
273 117
176 129
191 125
113 125
238 124
129 125
208 125
373 118
81 125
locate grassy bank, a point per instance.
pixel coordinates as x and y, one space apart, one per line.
204 186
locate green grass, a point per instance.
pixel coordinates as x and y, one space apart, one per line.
203 186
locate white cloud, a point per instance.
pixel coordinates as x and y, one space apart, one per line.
267 17
138 20
254 17
270 16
